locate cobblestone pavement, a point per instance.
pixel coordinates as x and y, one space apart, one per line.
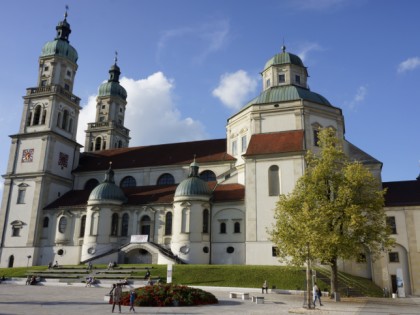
70 299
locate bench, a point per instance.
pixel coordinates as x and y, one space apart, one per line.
258 299
243 295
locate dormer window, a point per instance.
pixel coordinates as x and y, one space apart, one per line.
282 78
297 79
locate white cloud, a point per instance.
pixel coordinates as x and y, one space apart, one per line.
307 48
235 88
209 37
151 114
358 98
409 64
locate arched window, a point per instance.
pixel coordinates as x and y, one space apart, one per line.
82 226
205 221
46 222
98 143
273 181
70 125
59 120
168 223
114 224
94 223
166 179
28 121
91 183
62 225
185 223
44 116
65 119
128 181
124 224
208 176
37 115
223 228
120 144
237 227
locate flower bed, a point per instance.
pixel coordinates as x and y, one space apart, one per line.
169 295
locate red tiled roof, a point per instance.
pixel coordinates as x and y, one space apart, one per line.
149 194
205 151
276 142
403 193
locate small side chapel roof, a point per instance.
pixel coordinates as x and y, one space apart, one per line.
276 142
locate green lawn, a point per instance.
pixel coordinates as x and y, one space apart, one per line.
289 278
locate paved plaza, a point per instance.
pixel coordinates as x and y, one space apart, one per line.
69 299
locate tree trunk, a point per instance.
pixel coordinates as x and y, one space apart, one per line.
334 278
308 285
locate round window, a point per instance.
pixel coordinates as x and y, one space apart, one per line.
205 249
184 249
230 250
91 250
60 252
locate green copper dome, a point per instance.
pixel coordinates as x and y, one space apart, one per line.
193 185
60 46
107 190
284 58
113 87
285 93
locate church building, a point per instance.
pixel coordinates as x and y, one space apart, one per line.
198 202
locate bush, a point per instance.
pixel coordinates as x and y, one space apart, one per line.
169 295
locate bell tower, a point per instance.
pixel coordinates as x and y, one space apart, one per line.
108 131
43 153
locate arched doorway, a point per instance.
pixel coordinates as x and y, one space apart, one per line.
145 224
11 261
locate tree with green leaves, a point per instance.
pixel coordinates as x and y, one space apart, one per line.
334 212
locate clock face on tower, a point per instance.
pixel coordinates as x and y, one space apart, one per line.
27 155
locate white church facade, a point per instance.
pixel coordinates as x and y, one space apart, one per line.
199 202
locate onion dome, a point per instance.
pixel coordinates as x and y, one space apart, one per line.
193 185
60 46
284 58
113 87
107 191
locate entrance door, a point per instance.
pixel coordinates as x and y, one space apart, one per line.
145 226
394 283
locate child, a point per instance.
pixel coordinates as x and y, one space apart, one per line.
133 296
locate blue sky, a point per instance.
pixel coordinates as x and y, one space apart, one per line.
189 65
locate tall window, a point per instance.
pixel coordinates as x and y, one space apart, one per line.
205 221
59 120
128 181
208 176
94 224
98 143
28 121
223 228
46 222
168 223
273 181
166 179
21 195
62 225
65 119
114 224
297 79
124 224
185 223
390 221
268 83
37 115
236 227
44 116
243 144
234 148
82 226
316 137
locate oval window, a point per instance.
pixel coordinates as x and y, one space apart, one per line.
230 250
62 225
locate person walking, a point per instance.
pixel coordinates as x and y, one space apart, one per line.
133 296
316 294
265 287
116 297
